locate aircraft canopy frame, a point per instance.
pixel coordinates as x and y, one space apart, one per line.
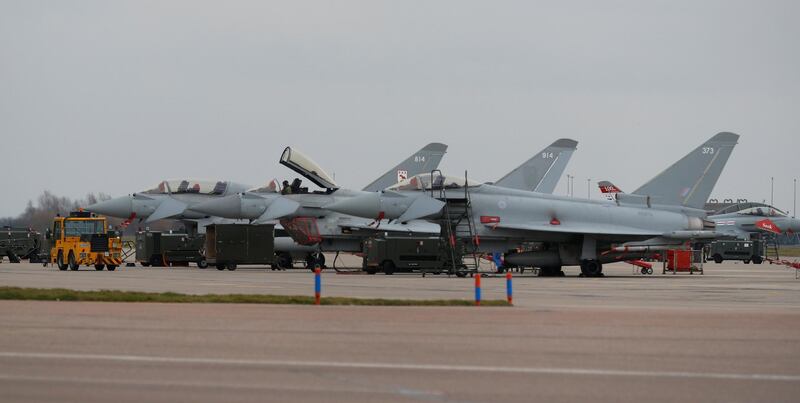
305 166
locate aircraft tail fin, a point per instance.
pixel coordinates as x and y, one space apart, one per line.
689 181
425 160
608 189
542 172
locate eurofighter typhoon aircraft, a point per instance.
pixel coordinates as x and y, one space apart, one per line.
741 224
667 210
170 199
312 229
303 216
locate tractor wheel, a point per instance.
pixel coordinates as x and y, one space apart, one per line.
73 265
231 266
717 258
99 267
202 264
746 261
60 261
111 267
757 259
220 267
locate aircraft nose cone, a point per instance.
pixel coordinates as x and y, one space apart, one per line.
120 207
226 207
366 206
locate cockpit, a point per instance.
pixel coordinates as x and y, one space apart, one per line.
763 212
427 181
272 187
189 186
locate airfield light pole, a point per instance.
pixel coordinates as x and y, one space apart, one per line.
794 206
588 188
772 191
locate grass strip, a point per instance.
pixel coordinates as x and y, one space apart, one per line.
61 294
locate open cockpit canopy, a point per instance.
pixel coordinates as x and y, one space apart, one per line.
436 181
305 166
179 186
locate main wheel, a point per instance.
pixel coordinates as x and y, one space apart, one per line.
111 267
591 268
60 261
388 267
315 259
283 260
99 267
73 265
717 258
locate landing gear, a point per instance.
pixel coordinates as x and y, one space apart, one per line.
283 260
591 268
315 259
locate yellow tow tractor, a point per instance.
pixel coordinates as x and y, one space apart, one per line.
84 239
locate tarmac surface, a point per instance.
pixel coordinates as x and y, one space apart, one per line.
732 334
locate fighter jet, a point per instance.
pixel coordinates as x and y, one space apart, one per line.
299 207
666 210
302 216
742 224
170 199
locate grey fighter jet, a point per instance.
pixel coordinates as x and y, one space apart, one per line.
741 224
668 210
170 199
303 217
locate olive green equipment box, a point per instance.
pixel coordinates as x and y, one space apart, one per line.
746 251
405 253
156 248
20 243
229 245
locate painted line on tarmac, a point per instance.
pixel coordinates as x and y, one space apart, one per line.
406 367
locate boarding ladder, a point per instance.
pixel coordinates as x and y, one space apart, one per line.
457 227
771 251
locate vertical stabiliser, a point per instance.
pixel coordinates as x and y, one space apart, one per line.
542 172
689 182
425 160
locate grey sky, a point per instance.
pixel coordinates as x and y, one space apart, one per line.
114 96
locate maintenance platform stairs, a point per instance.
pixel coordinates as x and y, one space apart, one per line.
458 228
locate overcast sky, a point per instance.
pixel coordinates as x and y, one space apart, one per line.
114 96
